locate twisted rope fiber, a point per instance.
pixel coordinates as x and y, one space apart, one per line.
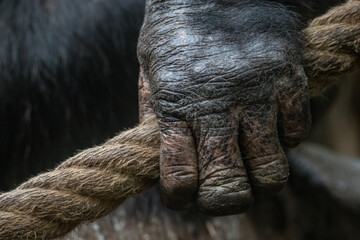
97 180
333 46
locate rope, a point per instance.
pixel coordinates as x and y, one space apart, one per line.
97 180
333 46
83 188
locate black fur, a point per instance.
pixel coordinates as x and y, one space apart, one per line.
68 79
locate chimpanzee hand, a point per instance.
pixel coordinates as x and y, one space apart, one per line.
228 89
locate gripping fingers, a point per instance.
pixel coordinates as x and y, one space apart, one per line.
178 165
224 187
264 157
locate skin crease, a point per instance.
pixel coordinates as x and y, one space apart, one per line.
228 90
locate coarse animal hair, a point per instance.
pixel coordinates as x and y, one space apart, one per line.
68 73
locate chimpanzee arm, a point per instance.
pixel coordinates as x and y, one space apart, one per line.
228 90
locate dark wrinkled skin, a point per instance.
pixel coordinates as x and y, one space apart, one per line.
228 89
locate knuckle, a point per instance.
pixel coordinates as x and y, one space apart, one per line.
224 199
300 132
224 195
267 161
221 184
178 183
293 137
269 178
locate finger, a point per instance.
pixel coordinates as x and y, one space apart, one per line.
178 165
294 118
223 184
263 155
146 110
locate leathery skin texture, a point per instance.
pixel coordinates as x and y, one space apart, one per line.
226 85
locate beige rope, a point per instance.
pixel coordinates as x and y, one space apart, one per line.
83 188
333 46
96 181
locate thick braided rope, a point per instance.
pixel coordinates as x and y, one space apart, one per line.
94 182
333 46
83 188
